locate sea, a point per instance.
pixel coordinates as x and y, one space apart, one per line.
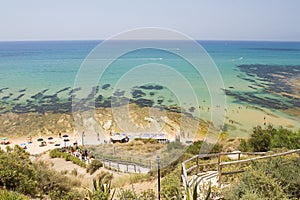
54 67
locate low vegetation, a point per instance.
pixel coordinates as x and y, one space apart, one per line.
10 195
265 139
57 153
94 166
277 178
101 190
35 180
131 195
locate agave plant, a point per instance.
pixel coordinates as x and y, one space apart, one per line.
192 193
101 191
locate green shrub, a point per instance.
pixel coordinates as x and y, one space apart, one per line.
205 147
244 146
106 177
131 195
277 178
57 153
94 166
147 141
10 195
171 185
127 195
17 172
286 171
260 140
55 184
174 145
147 195
265 139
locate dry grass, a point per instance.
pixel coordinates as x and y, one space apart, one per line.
121 181
135 149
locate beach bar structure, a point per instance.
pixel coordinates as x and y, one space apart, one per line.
159 137
121 138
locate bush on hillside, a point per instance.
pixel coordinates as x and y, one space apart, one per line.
105 176
147 140
264 139
10 195
54 184
94 166
57 153
17 172
131 194
171 185
277 178
204 147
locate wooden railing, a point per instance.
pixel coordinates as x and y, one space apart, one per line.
219 165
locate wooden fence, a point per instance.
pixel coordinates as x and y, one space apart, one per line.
129 164
188 170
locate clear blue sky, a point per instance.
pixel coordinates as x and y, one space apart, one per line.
200 19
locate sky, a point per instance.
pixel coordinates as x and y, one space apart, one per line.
200 19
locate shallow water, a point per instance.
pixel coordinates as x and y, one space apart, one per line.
43 73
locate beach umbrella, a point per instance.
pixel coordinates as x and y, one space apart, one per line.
40 139
23 144
57 144
66 140
4 138
65 136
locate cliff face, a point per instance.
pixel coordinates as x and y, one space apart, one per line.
12 124
103 120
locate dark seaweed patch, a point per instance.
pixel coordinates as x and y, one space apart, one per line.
37 96
74 90
254 88
5 98
192 109
62 90
143 102
3 89
276 77
119 93
105 86
151 87
23 90
137 93
18 97
99 98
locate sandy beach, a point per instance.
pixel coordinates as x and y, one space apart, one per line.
35 146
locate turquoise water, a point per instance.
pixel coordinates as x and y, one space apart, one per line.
49 66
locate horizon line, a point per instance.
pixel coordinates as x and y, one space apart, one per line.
100 40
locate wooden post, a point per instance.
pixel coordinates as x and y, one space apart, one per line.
239 156
197 163
219 160
220 175
134 168
219 169
127 167
118 167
